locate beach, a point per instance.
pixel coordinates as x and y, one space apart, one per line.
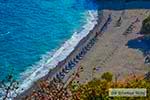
108 52
52 73
111 52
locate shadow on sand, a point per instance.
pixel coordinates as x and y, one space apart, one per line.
141 43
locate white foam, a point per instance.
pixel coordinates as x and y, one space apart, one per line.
51 59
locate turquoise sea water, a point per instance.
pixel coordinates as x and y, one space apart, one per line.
31 28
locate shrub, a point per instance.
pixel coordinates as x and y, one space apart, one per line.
107 76
98 89
146 26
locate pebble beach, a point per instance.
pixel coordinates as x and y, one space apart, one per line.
105 49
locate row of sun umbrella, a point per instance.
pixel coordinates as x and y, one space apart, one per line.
72 63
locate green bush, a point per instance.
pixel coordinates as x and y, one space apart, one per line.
146 26
99 89
107 76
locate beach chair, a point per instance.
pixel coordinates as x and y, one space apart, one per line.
77 57
58 76
94 40
91 42
75 60
62 75
67 68
88 45
71 65
64 70
147 76
56 80
84 51
87 48
72 62
81 53
147 60
80 57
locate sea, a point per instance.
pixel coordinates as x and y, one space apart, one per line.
36 34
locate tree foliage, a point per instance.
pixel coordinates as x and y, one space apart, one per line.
98 89
146 26
107 76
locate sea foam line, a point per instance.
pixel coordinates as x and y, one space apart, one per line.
50 61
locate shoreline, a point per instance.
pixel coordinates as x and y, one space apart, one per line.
109 53
52 73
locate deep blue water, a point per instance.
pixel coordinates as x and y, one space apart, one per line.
31 28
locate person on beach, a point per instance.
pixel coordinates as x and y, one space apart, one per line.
119 21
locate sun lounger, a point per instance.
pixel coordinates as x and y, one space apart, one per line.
58 77
64 70
94 39
71 65
91 42
84 51
80 56
81 53
75 60
77 57
87 48
62 75
147 60
67 68
55 80
72 62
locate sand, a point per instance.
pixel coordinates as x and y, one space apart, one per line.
111 52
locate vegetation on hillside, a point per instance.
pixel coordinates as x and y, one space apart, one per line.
146 26
99 89
94 90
